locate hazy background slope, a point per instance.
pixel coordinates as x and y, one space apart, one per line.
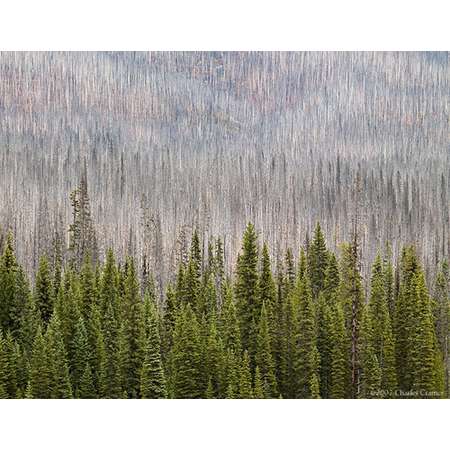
216 139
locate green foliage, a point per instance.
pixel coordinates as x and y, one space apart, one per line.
306 342
44 291
339 361
264 358
152 383
91 333
186 357
87 388
245 378
246 289
317 262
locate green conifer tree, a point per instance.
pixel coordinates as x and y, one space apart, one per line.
264 358
246 290
44 291
186 357
41 377
339 362
245 378
60 386
258 388
87 389
153 383
306 344
317 262
8 275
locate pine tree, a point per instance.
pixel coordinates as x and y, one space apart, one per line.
30 322
81 355
12 365
441 313
186 357
87 389
339 365
97 354
317 262
229 324
152 383
134 331
425 358
60 386
302 264
380 335
213 358
332 279
246 290
289 326
4 368
258 389
40 383
245 378
352 298
110 373
196 254
306 343
264 358
88 288
44 291
405 316
8 274
371 370
268 296
18 306
230 375
324 344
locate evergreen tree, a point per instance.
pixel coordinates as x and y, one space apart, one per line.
371 370
41 376
317 261
264 358
87 389
44 291
306 344
134 331
246 290
4 368
60 386
352 298
405 316
380 335
339 365
81 355
289 326
324 344
110 373
153 384
425 358
8 274
332 279
229 324
441 312
245 378
213 358
88 288
258 389
186 357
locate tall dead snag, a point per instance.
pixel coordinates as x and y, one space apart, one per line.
82 236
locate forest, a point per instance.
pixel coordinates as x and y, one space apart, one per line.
299 327
222 225
177 141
